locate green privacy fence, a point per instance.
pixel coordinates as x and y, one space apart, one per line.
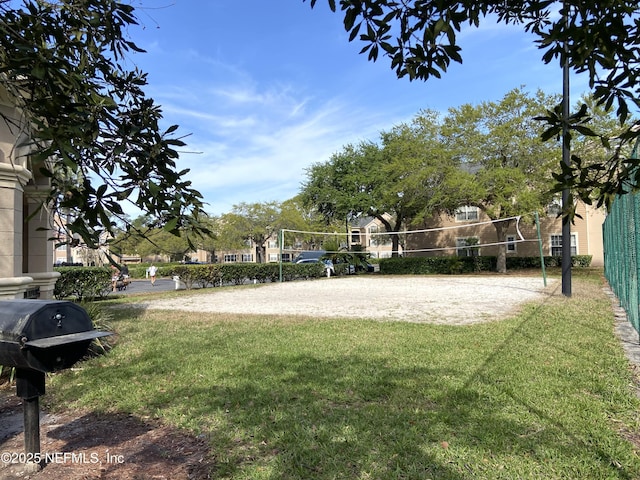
622 251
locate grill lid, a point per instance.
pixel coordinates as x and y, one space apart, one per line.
44 335
36 319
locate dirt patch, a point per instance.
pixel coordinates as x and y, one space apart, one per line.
453 300
87 446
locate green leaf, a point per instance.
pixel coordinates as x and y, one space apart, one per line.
171 225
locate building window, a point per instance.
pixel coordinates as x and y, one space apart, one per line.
465 247
376 238
466 213
355 236
511 244
556 245
230 258
272 244
247 257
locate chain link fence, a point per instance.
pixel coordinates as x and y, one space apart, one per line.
622 251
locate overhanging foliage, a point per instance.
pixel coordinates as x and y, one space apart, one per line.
600 39
85 126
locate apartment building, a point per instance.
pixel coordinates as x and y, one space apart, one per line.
457 235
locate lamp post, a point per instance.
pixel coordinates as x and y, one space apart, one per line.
566 160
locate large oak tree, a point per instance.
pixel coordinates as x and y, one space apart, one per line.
251 225
399 180
507 165
600 39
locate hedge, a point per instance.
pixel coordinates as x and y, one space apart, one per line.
82 283
457 265
216 274
95 282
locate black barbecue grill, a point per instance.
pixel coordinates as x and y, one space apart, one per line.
44 335
39 336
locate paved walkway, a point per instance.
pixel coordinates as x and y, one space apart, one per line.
629 337
144 286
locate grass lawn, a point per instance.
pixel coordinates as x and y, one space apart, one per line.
546 394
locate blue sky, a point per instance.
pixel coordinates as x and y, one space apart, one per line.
264 89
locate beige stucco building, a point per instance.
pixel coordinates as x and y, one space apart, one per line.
26 256
365 232
450 235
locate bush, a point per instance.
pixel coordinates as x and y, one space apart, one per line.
82 283
101 321
212 275
456 265
201 275
435 265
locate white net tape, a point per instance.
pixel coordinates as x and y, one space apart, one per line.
289 238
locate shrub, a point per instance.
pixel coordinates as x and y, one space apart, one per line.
240 273
100 319
453 264
201 275
82 283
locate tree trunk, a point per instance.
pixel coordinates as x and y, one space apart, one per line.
395 243
395 238
260 253
501 233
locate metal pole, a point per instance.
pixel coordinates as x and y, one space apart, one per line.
544 272
30 385
281 241
566 159
31 410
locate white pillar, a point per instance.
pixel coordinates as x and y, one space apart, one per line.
12 181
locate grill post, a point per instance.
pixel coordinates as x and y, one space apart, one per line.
30 385
31 408
38 336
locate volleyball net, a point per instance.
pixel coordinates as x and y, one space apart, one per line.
463 239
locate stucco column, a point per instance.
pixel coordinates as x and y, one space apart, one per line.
12 179
38 249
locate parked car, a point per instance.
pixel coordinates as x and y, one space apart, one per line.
328 264
309 255
368 267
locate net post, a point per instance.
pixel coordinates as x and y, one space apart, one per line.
544 272
281 242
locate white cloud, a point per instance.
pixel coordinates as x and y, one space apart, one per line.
265 158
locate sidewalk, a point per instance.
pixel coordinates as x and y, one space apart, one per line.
628 336
144 286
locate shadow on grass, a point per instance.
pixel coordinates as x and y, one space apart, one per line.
320 423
